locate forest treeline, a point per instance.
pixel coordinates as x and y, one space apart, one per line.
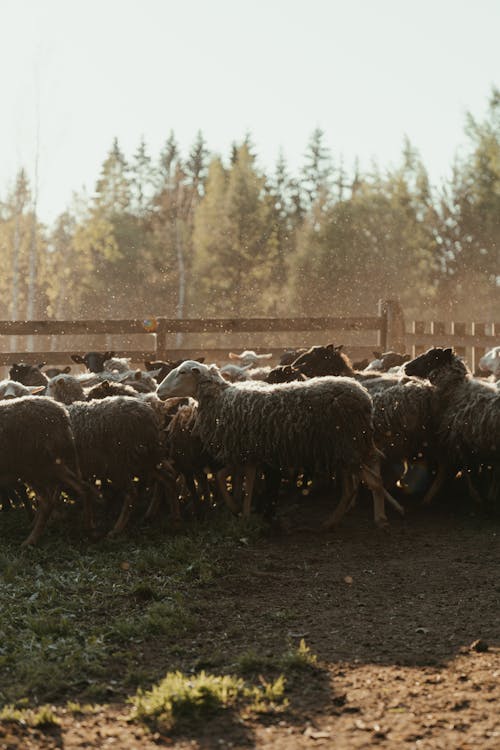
196 234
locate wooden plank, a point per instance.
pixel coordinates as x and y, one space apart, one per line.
259 325
459 329
220 355
438 327
430 339
71 327
64 358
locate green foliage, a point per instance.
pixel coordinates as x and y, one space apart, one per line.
181 235
181 700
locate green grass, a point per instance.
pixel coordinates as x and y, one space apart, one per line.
295 658
76 617
86 624
180 700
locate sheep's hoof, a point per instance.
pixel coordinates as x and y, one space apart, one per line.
29 542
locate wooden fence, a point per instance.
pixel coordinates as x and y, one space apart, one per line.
159 338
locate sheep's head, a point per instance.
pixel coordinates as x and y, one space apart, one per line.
490 362
285 374
434 360
249 358
12 389
28 374
184 379
323 360
93 361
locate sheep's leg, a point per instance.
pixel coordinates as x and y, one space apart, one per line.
127 505
250 471
221 477
437 484
237 478
45 508
166 476
84 490
370 473
154 503
472 489
349 489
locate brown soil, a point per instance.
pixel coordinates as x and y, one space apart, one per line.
391 615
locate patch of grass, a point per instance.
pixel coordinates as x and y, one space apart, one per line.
42 718
295 658
298 658
74 614
180 700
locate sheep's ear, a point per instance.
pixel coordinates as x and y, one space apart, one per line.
377 355
105 383
330 346
448 352
67 369
338 348
42 364
78 359
196 370
35 389
108 355
232 355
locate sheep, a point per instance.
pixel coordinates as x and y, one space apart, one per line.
65 389
37 447
14 389
319 361
403 411
118 439
28 374
160 369
290 355
107 388
116 364
51 372
490 362
468 421
93 361
384 362
324 423
249 357
235 373
284 374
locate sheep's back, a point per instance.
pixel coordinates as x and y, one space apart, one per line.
35 434
323 423
116 438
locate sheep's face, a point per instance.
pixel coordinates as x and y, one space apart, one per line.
12 389
432 361
285 374
323 360
490 362
249 358
183 380
93 361
28 374
290 355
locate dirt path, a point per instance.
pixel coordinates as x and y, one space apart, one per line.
391 617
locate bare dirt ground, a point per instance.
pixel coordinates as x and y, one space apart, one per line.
394 618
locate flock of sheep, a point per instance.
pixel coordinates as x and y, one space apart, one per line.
183 437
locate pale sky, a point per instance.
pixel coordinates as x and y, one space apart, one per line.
366 71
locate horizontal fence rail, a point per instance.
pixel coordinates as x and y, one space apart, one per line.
159 331
54 341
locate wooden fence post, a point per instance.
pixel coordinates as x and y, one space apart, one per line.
395 325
